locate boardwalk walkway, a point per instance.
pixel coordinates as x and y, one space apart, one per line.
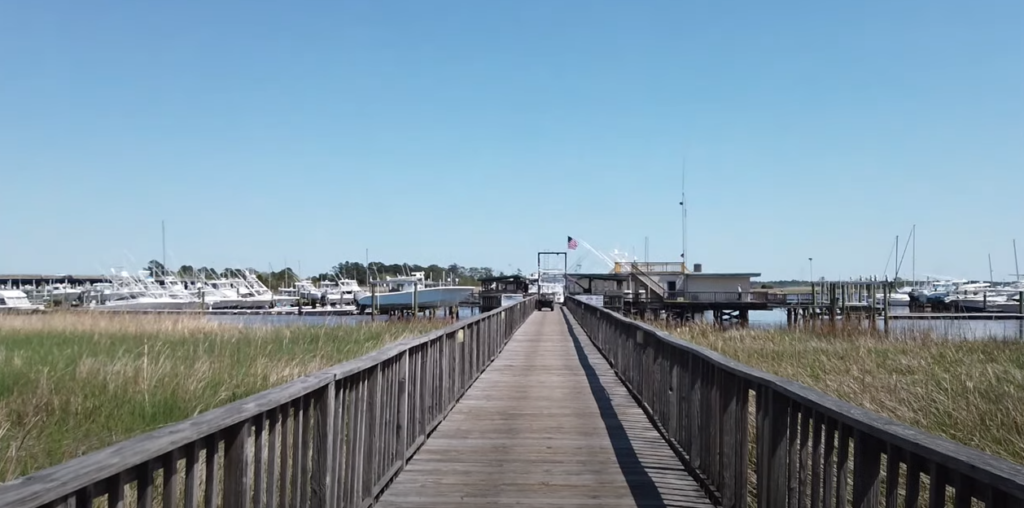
547 424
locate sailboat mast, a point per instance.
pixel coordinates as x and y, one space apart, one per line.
163 244
896 266
991 279
1016 267
913 256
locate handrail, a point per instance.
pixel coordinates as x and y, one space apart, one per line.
331 438
647 280
702 401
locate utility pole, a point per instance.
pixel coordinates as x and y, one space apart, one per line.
811 262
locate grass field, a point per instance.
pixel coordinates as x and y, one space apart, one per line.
967 391
71 384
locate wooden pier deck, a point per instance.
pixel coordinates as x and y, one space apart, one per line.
547 424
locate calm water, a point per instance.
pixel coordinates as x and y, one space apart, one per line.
954 329
256 320
962 329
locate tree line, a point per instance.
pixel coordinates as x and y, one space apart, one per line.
355 270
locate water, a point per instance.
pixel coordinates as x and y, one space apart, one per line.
963 329
315 320
954 329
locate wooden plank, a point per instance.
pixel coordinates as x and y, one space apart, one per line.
548 423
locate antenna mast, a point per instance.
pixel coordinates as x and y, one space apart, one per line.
682 204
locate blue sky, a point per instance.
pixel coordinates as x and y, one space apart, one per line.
481 132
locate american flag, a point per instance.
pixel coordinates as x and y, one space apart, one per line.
573 244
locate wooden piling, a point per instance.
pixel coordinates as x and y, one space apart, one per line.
885 312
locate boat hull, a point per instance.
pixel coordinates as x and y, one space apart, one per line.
65 295
243 303
428 298
142 304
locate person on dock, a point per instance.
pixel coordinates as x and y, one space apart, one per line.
739 293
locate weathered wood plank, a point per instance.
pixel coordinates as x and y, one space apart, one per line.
547 424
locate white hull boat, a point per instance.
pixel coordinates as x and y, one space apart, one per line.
978 303
895 300
426 298
65 295
147 303
16 301
1007 307
255 302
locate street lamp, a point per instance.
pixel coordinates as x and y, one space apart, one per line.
811 262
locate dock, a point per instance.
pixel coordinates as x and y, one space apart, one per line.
579 406
547 424
969 316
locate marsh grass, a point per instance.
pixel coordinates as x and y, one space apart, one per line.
73 383
965 390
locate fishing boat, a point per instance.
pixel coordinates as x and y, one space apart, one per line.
16 301
402 290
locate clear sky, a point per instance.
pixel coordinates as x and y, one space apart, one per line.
480 132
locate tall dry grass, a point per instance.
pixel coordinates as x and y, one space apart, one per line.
73 383
969 391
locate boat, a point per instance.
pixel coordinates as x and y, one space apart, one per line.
141 292
350 291
401 291
286 297
895 300
63 293
13 300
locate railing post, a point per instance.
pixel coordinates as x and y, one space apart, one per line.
237 465
867 470
323 446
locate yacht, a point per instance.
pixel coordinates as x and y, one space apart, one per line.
286 297
895 300
350 291
141 292
63 293
401 289
13 300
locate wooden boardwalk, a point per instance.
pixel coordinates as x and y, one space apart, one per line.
547 424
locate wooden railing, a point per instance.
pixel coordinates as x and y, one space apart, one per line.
803 440
330 439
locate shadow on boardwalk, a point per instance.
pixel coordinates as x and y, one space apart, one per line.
547 424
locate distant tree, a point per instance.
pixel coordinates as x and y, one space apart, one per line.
186 272
156 268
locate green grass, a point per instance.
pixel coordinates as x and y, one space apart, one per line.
72 383
966 390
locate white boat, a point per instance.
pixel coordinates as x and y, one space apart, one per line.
984 302
350 291
895 300
401 290
17 301
63 293
127 292
246 292
286 297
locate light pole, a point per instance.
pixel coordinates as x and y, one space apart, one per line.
811 262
